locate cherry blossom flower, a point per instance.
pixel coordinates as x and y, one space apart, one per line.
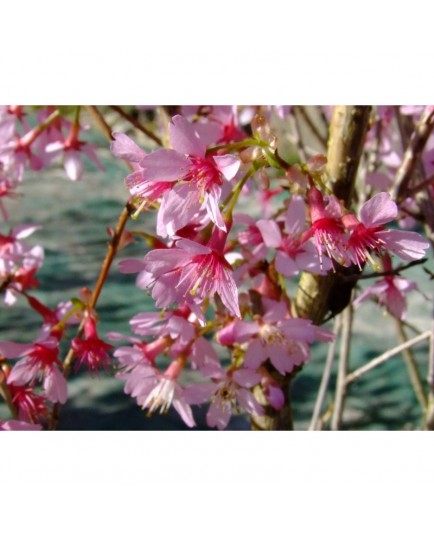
188 274
31 406
197 178
228 390
153 389
38 359
91 351
73 149
327 229
369 234
391 292
277 337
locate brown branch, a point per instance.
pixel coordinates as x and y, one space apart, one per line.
413 152
137 124
313 128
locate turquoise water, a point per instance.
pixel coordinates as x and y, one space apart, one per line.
74 217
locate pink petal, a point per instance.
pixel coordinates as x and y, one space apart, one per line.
270 233
219 414
199 393
229 294
23 372
124 147
184 411
19 426
212 206
246 378
408 245
255 354
73 165
184 137
131 266
13 350
378 210
228 165
285 265
164 165
55 386
248 402
295 221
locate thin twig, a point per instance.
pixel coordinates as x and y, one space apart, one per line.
412 154
137 124
100 121
412 368
313 128
299 139
316 416
386 356
429 419
341 386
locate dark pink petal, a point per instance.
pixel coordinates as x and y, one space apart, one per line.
408 245
228 165
396 302
164 165
379 210
123 147
184 137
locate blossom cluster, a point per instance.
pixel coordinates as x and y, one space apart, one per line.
237 222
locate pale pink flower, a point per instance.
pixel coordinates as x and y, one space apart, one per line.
197 178
227 392
276 336
73 150
188 274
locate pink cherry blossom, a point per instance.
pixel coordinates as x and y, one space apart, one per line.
189 273
276 336
369 234
38 359
197 178
228 391
91 350
327 229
